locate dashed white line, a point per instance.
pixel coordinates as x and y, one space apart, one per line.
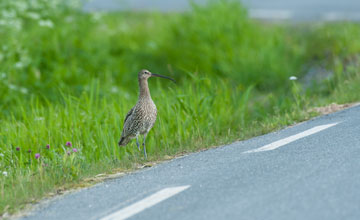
282 142
145 203
270 14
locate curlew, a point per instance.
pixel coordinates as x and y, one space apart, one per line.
141 118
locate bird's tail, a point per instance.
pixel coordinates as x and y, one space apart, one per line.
124 141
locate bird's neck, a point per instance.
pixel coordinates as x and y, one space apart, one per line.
144 89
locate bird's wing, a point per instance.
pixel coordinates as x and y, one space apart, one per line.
128 114
127 125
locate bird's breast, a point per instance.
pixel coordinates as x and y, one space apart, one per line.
146 114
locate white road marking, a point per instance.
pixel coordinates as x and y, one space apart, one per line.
145 203
292 138
270 14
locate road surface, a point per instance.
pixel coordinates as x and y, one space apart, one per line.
298 10
308 171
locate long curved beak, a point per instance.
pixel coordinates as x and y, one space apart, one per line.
165 77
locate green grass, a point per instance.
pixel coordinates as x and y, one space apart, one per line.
75 81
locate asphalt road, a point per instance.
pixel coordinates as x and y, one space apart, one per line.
308 171
298 10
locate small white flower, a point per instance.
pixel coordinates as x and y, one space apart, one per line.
8 14
20 6
12 87
114 89
46 23
96 16
126 95
292 78
19 65
39 118
15 24
33 15
4 173
24 90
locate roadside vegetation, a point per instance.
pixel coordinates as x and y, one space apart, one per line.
68 78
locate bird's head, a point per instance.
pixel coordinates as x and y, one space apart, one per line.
145 74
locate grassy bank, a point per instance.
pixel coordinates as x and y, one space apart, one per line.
70 77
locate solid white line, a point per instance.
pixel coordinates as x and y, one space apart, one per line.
292 138
270 14
145 203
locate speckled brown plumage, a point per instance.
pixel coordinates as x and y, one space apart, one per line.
141 118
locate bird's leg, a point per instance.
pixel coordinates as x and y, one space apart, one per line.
137 141
145 155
